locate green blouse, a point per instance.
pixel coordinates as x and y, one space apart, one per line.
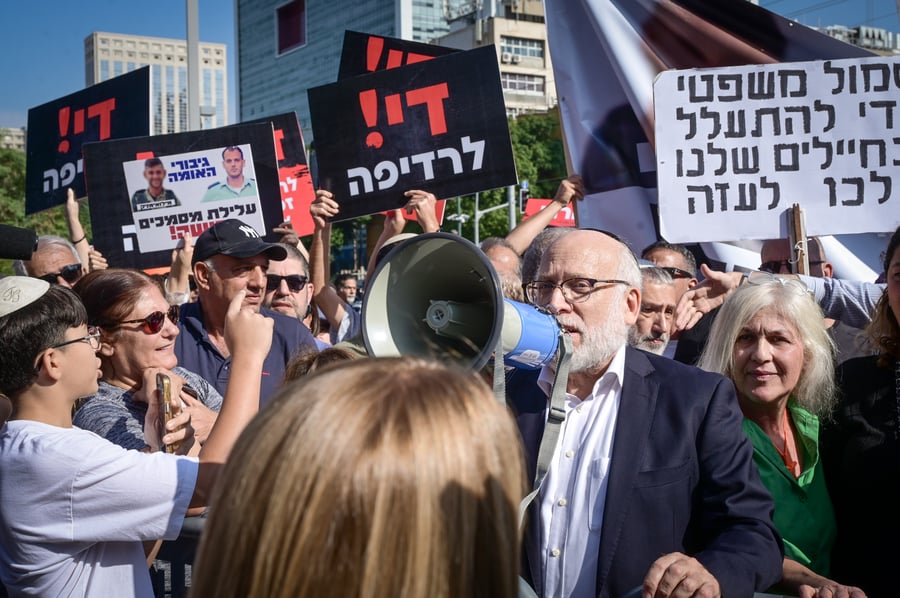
803 512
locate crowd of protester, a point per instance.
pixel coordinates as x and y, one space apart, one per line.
773 464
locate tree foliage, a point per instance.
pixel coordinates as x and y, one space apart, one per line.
12 204
540 160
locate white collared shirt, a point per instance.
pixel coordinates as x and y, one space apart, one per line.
573 494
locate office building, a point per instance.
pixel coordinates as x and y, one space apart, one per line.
287 47
518 31
108 55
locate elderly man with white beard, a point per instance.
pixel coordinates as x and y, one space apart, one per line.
651 483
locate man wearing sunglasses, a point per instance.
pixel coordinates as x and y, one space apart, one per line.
288 289
680 264
228 258
777 257
54 260
675 259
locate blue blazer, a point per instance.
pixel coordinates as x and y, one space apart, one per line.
682 479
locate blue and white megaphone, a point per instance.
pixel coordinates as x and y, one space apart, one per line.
437 295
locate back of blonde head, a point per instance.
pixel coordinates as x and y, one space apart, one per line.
377 478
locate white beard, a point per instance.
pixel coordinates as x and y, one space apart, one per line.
600 343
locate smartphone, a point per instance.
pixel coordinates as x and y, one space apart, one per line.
164 386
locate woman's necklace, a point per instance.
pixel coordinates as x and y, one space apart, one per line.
789 461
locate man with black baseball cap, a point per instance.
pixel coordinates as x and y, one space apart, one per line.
230 257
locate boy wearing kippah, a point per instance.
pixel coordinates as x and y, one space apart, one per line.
74 508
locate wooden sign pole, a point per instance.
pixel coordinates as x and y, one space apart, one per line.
799 252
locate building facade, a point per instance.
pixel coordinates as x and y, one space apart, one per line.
519 33
108 55
876 39
288 46
13 138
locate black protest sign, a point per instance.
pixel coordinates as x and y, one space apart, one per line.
438 125
148 192
365 53
113 109
297 191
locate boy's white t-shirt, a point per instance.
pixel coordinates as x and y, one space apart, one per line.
74 509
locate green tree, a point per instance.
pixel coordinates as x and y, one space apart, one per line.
540 160
12 204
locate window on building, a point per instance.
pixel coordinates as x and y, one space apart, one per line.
523 47
291 23
521 83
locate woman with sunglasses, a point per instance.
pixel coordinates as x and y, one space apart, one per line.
862 448
770 340
138 329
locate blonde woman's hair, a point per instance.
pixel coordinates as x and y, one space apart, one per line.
815 390
376 478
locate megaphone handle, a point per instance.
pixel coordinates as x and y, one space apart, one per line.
555 419
499 372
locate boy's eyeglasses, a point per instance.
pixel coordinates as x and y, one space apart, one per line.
70 274
153 323
92 338
295 282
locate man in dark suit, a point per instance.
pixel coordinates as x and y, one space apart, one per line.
652 481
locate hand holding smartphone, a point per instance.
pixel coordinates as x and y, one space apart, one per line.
164 386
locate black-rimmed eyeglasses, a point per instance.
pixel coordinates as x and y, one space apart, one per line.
574 290
295 282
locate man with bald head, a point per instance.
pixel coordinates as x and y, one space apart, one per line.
508 265
777 257
651 482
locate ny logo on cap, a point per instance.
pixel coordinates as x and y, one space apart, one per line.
249 231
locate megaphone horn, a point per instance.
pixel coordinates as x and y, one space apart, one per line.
437 295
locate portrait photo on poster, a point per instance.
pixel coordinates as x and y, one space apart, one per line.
184 187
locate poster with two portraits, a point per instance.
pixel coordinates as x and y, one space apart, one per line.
148 192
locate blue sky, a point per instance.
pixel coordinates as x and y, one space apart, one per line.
42 45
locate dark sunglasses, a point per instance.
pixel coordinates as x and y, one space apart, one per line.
295 282
70 274
154 322
676 272
775 266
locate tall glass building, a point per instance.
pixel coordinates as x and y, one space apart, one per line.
108 55
287 46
